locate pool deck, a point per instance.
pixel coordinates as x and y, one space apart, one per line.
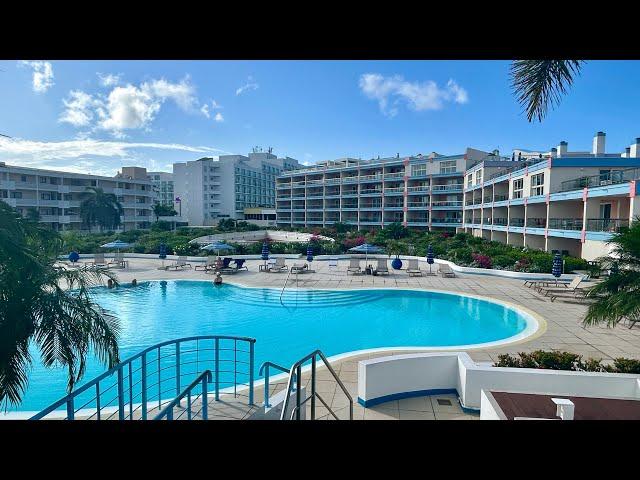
564 330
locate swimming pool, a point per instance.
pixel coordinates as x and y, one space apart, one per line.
336 321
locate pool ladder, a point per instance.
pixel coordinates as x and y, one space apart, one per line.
294 384
285 285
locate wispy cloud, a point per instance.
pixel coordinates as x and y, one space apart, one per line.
109 79
390 92
206 111
42 78
219 118
249 85
77 155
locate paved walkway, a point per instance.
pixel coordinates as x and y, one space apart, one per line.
563 326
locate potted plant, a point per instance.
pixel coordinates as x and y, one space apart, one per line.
397 248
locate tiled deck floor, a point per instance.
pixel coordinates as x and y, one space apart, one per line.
564 330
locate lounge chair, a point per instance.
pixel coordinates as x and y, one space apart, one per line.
299 267
278 266
382 266
118 260
333 262
633 320
573 287
413 268
240 264
354 266
180 263
98 261
209 265
445 270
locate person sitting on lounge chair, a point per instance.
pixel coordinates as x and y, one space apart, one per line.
354 266
382 266
413 268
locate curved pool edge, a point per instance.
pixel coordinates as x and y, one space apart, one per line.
536 327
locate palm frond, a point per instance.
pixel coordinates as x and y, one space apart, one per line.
540 84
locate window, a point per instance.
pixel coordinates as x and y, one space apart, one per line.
478 177
517 188
469 180
448 167
537 184
420 169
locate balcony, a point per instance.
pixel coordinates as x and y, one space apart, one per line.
516 222
449 203
371 191
393 175
500 222
419 188
394 190
451 186
500 198
607 178
606 224
537 222
487 221
451 221
565 223
418 204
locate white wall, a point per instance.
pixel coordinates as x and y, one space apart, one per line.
401 374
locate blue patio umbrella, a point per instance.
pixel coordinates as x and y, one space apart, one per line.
430 257
118 244
556 269
74 257
217 246
309 254
366 249
163 251
265 251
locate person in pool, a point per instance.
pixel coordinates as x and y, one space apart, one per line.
218 279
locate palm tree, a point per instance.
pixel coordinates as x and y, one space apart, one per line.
539 84
618 296
100 208
33 214
37 310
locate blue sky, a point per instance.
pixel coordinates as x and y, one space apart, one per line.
95 116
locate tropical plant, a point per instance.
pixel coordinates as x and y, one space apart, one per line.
100 208
33 214
540 84
160 210
618 296
47 307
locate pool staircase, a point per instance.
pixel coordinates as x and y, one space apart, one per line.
206 377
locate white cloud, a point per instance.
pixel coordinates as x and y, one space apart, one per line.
248 86
127 108
109 79
391 91
219 118
215 105
78 109
42 78
182 93
205 110
83 155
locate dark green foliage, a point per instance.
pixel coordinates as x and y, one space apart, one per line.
556 360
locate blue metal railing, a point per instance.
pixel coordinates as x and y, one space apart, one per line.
142 383
203 381
266 369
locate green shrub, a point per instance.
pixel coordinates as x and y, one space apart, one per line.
556 360
626 365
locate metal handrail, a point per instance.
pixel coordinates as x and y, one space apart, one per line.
295 374
265 367
284 286
204 379
147 367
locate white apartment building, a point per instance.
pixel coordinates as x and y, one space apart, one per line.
563 201
210 190
162 188
419 191
57 195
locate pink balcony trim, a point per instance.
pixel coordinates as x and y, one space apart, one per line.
585 194
632 188
583 236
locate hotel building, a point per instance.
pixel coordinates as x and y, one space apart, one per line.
211 190
56 196
422 192
563 201
162 188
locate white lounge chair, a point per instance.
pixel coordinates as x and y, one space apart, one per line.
180 263
98 261
333 262
299 267
445 270
278 266
413 268
209 264
382 266
354 266
573 287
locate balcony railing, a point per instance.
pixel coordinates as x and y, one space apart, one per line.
452 186
418 204
606 224
500 221
447 220
500 198
394 190
487 221
419 188
606 178
454 203
519 166
371 191
516 222
536 222
565 223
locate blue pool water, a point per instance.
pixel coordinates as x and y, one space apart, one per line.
334 321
